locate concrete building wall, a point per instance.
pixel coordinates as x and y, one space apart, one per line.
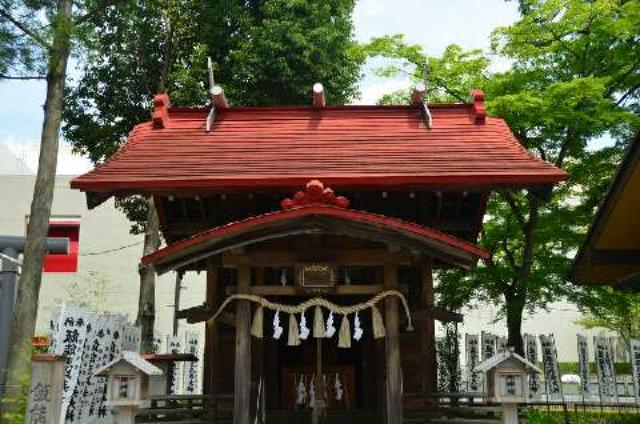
107 251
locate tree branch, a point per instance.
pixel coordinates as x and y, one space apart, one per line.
613 85
527 255
571 134
627 94
511 201
26 77
450 91
509 254
26 30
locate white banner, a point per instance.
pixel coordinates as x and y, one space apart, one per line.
635 365
531 353
488 342
87 342
472 353
551 368
190 370
606 371
583 363
174 345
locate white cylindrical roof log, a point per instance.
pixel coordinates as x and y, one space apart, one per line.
318 95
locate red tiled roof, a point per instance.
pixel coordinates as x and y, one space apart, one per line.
303 218
346 147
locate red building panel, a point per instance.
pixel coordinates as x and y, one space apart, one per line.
68 262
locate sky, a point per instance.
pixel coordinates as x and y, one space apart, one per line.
434 24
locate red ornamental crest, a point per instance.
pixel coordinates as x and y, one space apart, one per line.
315 193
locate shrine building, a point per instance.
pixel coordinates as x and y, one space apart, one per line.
610 253
318 230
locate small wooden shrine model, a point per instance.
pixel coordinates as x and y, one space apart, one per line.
131 379
506 381
319 229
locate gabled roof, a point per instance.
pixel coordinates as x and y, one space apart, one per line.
611 251
501 357
348 147
135 360
315 219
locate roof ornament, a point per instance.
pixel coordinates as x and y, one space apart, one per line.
160 117
218 99
315 193
478 109
419 98
318 95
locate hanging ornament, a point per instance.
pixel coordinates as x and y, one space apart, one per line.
283 277
293 339
357 331
318 324
377 324
312 392
277 328
301 398
331 329
256 326
337 385
324 386
344 338
304 330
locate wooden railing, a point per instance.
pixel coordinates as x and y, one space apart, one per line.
171 409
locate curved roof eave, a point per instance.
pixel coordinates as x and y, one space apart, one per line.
316 219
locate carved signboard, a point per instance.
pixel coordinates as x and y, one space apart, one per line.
316 277
47 382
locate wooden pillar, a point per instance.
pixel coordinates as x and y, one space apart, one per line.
257 354
242 383
211 340
428 332
394 395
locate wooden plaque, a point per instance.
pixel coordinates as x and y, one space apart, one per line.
316 275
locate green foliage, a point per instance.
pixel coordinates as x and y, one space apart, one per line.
451 76
14 409
574 78
21 55
448 348
606 308
291 44
622 368
565 89
265 52
534 416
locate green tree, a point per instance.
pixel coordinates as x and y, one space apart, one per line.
613 310
36 37
575 77
265 52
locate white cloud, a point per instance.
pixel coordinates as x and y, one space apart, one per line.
371 92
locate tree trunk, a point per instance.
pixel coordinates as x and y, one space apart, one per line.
147 300
515 306
26 307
